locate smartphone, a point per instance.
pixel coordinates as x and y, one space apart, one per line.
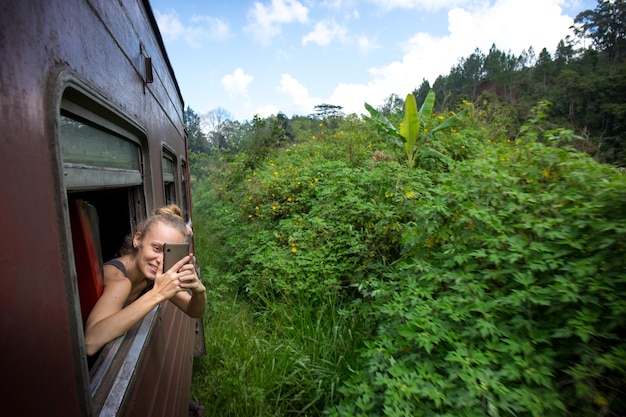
172 253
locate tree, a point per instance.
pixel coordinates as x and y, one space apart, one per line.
473 72
414 132
422 92
196 139
605 26
325 111
214 123
564 53
544 68
392 105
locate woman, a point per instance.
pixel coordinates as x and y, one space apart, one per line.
135 282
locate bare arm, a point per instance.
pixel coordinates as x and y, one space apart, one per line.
109 318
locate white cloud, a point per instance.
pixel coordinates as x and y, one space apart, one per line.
200 29
302 102
217 28
325 32
366 44
236 84
266 110
266 19
169 24
328 31
430 5
337 4
510 24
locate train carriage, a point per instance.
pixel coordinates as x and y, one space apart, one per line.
93 142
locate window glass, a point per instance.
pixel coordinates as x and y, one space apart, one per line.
84 144
169 177
168 169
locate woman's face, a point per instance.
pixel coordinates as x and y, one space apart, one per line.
150 247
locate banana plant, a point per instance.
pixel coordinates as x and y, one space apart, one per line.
412 133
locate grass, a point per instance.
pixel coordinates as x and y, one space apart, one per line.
284 358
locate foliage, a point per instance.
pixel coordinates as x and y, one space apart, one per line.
414 130
343 282
319 215
288 359
283 346
325 111
605 26
510 296
196 139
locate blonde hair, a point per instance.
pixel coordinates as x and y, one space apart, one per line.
170 215
172 210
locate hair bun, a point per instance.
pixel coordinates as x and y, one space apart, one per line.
170 209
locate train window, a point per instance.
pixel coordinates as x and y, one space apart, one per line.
84 144
95 158
169 177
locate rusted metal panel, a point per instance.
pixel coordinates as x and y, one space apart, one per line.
166 359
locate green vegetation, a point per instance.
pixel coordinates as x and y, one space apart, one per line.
414 131
346 280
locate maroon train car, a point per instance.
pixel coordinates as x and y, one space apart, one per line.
93 141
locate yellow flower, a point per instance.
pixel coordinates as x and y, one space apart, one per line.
275 173
316 179
440 117
462 146
249 179
313 137
249 197
289 199
294 250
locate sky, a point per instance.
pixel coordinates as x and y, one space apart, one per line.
262 57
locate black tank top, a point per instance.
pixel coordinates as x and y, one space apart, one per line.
119 265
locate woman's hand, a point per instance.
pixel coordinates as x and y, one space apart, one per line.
169 283
191 294
188 277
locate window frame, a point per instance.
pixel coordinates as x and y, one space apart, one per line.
115 369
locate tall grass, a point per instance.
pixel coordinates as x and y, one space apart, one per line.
283 358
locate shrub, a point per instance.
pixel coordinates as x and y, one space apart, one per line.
510 298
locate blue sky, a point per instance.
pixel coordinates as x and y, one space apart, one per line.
268 56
